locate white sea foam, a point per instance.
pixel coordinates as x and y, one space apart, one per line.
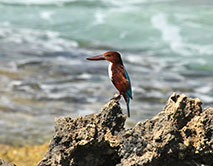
15 83
204 89
201 49
47 40
37 2
123 3
100 17
85 76
46 15
64 61
170 33
135 59
206 98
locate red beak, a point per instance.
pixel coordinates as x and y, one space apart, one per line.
96 58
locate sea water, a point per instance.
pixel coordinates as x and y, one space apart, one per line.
166 46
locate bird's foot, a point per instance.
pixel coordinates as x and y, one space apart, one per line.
117 96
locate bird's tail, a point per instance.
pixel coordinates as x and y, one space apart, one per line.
127 99
128 111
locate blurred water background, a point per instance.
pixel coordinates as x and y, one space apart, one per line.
167 45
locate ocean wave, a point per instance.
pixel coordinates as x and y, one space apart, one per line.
58 2
35 2
37 40
201 49
170 33
127 3
46 15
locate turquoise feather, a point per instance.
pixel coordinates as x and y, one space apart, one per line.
128 92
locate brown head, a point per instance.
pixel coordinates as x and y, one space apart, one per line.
111 56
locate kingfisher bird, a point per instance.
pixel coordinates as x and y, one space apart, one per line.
117 74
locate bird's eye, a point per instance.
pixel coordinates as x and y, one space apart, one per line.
108 55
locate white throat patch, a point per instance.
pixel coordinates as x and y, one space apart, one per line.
110 71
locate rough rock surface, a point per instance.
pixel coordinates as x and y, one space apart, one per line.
4 163
180 135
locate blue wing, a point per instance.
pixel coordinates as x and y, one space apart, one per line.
129 91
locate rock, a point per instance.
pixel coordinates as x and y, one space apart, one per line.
3 163
180 135
91 140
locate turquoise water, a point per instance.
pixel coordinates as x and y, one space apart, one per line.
166 46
